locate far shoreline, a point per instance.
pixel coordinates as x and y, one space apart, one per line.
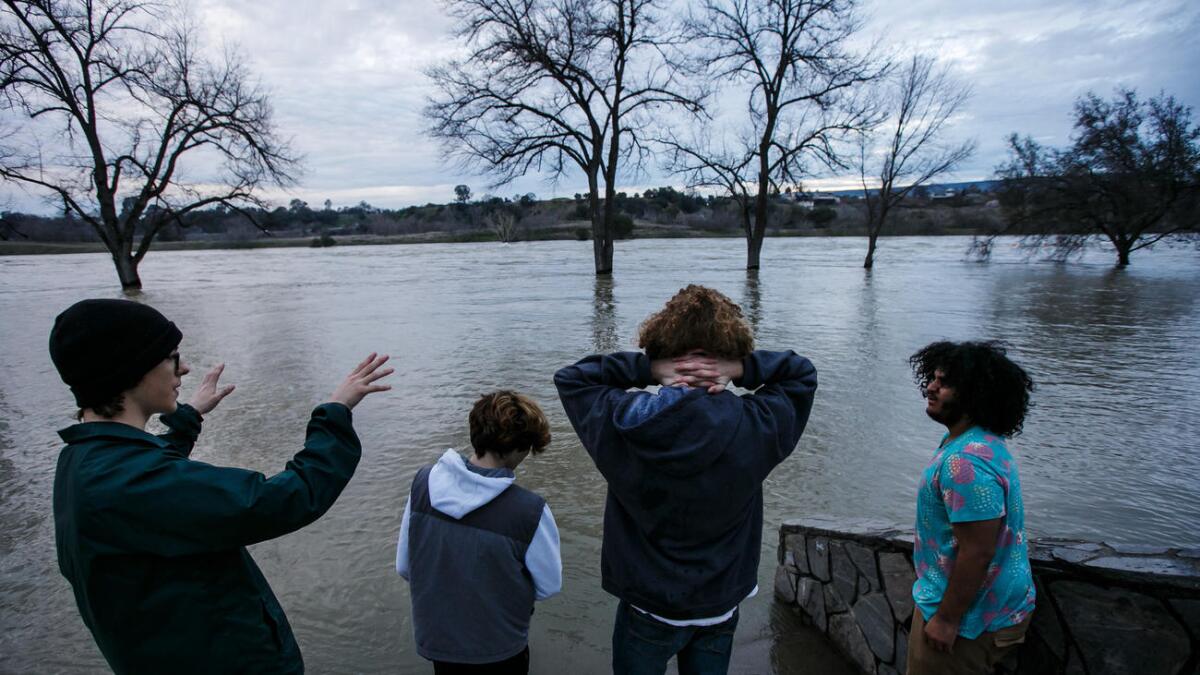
18 248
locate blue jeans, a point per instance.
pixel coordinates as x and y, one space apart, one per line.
642 645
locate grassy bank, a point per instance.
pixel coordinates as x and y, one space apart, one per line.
567 231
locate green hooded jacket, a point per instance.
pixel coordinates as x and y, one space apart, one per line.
153 543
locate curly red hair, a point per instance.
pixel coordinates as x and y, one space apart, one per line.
697 318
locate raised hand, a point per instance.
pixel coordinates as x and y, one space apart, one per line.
362 380
210 394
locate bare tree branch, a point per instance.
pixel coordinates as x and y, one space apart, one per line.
555 86
1131 175
122 90
920 101
803 97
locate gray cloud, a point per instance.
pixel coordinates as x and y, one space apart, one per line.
348 87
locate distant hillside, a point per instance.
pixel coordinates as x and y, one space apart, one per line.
980 185
659 212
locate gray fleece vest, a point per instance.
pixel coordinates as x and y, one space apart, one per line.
472 595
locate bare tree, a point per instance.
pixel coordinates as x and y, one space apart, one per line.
555 85
504 223
115 96
804 98
1131 175
920 100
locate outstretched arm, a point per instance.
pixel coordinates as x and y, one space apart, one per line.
168 505
184 423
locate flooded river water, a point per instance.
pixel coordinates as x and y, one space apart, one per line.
1108 452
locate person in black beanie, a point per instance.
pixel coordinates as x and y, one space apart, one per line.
154 543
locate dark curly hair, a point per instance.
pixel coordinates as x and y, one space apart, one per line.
696 318
992 390
504 422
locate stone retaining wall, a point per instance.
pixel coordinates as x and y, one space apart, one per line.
1101 609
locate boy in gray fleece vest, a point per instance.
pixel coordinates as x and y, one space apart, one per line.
478 549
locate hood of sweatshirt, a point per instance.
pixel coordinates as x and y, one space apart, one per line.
457 487
681 430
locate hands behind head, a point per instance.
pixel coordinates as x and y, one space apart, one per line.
362 381
209 394
696 369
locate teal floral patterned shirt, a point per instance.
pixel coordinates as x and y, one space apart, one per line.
973 478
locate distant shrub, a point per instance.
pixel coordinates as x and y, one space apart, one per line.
322 241
622 226
583 234
822 216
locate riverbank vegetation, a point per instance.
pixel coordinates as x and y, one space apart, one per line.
657 213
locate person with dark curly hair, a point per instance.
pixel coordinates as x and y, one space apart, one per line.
974 591
685 466
474 544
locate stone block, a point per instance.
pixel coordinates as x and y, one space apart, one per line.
1139 549
797 545
1072 555
1121 632
1035 656
901 660
903 540
844 632
810 595
845 576
864 559
818 557
875 620
1135 568
898 579
1041 554
1190 611
785 585
833 601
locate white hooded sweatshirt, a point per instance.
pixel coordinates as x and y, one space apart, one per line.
455 490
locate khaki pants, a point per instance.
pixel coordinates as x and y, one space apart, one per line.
970 657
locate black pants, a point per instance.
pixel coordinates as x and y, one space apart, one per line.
516 665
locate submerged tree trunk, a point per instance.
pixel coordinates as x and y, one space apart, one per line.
602 250
753 252
1123 255
870 261
602 247
127 271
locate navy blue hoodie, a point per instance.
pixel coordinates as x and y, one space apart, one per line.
683 517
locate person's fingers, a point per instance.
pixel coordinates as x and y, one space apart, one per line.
371 389
225 391
374 365
378 374
365 362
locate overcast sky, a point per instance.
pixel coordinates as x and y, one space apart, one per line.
348 87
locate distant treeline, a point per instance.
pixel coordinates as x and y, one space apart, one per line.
656 212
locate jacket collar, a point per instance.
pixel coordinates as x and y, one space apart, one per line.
86 431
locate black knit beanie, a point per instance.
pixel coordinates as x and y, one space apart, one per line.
103 347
